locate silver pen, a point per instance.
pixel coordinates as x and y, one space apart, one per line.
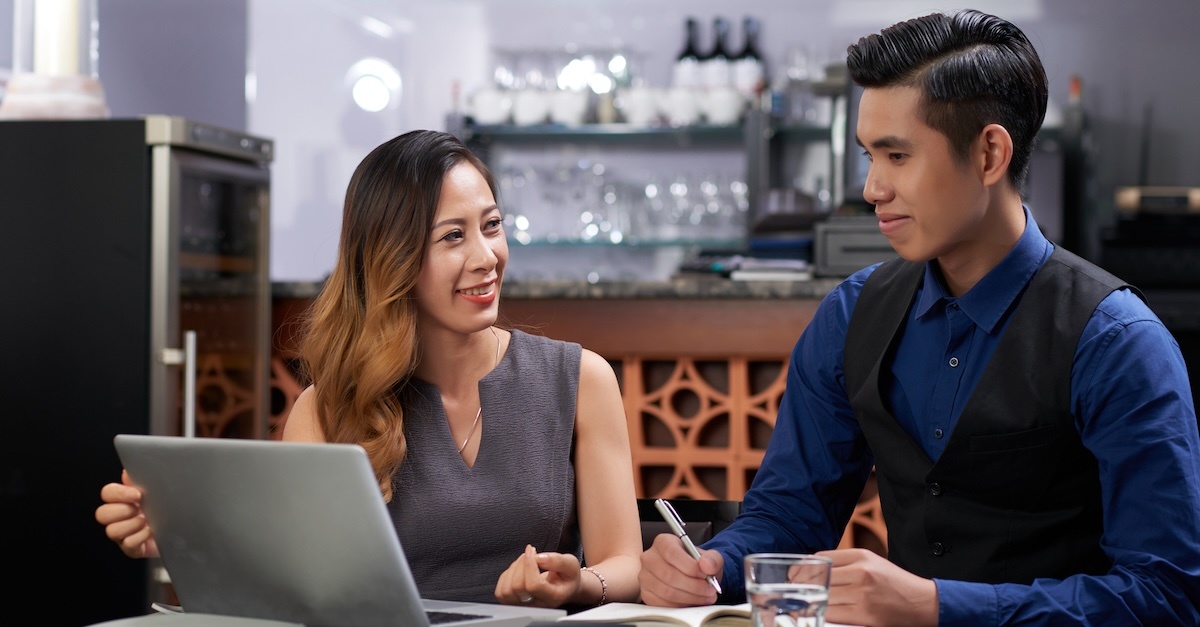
676 523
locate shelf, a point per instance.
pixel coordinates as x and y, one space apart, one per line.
706 242
629 133
220 263
804 133
610 133
1050 140
758 137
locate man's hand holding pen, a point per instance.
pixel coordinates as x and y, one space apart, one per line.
670 577
676 524
675 572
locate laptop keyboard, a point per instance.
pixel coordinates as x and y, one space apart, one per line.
442 618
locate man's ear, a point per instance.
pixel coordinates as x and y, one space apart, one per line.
993 154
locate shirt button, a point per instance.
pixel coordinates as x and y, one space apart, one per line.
939 549
953 362
938 433
935 489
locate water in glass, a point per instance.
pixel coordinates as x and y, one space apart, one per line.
787 604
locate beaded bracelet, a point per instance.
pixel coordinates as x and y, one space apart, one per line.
603 583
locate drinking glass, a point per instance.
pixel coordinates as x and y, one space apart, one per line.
787 589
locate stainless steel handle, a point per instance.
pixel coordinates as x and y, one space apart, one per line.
187 357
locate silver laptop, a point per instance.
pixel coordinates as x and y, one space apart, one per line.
285 531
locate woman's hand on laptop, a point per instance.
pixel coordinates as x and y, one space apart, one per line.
539 579
123 520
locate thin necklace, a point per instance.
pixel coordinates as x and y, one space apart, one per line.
480 412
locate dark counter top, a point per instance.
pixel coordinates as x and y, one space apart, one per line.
703 287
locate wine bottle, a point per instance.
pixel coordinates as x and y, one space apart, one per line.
686 71
1074 121
1075 172
749 65
714 66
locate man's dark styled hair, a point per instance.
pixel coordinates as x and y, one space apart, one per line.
973 69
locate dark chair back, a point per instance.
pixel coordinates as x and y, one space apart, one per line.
702 519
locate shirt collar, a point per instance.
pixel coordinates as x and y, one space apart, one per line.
986 302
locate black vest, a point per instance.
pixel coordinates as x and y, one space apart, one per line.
1015 495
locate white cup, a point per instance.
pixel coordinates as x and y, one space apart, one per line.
681 105
722 105
491 106
639 104
568 107
531 106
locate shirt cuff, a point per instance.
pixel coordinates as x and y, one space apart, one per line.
733 587
967 604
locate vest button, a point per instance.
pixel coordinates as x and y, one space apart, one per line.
938 433
939 549
935 489
953 362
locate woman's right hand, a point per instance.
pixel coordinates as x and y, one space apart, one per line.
123 520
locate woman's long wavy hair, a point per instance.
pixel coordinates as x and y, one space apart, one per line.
359 345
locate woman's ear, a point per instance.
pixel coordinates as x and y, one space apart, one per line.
994 149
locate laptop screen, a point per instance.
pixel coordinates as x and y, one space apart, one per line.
282 530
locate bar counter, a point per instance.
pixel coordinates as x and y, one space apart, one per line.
700 286
696 316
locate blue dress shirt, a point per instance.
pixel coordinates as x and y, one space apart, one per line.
1131 401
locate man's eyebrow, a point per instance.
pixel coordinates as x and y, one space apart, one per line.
888 141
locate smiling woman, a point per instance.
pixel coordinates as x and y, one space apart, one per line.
515 440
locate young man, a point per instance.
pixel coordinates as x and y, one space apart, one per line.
1029 418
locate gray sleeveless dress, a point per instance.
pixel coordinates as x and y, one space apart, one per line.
462 526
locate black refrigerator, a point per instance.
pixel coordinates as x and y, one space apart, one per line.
136 299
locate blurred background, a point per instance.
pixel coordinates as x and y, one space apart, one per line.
290 70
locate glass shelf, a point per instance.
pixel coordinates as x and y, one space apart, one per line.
1049 140
756 138
609 133
804 133
701 242
626 133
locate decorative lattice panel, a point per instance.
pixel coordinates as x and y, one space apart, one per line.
225 397
286 385
697 428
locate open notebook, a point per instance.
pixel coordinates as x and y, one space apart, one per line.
639 614
649 615
285 531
